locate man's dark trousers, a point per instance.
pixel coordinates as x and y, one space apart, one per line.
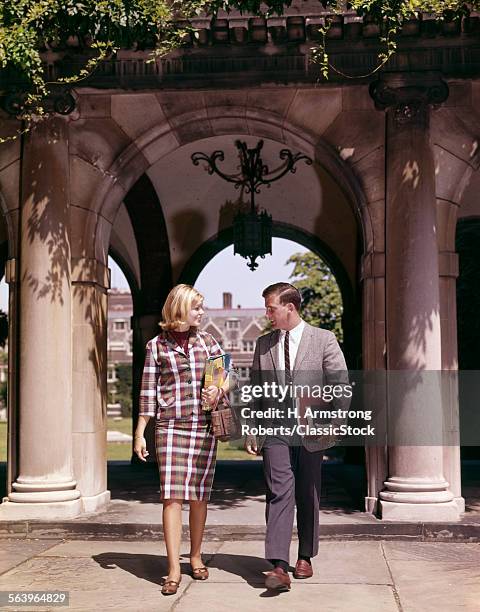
293 478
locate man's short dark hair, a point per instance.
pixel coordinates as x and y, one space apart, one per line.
286 293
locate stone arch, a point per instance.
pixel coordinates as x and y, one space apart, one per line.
457 162
9 229
126 270
224 238
6 240
152 242
467 241
467 299
159 141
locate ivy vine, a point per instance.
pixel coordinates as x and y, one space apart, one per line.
30 28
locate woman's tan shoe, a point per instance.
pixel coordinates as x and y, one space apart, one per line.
200 573
170 587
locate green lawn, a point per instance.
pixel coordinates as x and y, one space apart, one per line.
3 441
125 425
121 451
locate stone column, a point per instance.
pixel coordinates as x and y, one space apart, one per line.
373 285
448 271
45 487
416 489
90 282
144 328
12 397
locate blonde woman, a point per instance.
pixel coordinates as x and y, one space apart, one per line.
172 394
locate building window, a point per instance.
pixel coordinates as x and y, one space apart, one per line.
111 374
233 324
244 373
119 325
249 345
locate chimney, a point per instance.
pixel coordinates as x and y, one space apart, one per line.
227 300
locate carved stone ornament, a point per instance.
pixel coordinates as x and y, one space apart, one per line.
60 101
409 94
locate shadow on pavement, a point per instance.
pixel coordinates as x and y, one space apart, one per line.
154 567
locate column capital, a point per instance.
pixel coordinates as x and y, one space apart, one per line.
407 95
11 271
448 264
86 270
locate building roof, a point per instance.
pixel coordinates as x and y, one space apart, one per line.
236 338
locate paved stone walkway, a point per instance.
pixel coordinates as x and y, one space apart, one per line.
349 577
237 509
371 567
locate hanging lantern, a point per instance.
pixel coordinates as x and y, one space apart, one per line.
252 231
252 236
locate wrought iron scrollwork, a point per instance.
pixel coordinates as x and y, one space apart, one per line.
252 230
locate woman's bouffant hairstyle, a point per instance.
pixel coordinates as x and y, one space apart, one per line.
177 306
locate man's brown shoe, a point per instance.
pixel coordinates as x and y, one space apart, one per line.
277 580
303 569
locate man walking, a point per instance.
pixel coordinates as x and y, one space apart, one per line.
293 351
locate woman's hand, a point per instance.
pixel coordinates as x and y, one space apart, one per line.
140 448
209 395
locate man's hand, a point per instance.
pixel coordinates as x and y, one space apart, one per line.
251 445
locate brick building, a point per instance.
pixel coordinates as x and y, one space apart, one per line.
119 334
235 328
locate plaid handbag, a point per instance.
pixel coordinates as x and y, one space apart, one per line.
224 424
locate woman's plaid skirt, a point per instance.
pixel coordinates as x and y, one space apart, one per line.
186 455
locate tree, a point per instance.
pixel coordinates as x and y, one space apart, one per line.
3 394
123 387
321 297
3 328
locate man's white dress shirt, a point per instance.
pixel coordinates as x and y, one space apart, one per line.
295 337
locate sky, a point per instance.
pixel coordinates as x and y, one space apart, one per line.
224 273
3 295
227 272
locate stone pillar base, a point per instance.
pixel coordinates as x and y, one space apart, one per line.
371 504
460 501
415 513
13 511
96 503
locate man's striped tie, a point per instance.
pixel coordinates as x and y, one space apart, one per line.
288 379
288 372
